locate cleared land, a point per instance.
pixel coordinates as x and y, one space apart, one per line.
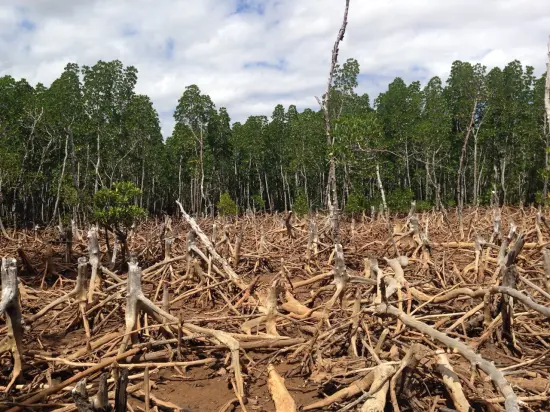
227 310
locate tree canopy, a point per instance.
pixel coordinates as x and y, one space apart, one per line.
480 131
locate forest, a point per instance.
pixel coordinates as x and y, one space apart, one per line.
480 136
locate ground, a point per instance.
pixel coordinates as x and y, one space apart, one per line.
323 344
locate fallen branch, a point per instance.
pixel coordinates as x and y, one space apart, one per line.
511 403
282 399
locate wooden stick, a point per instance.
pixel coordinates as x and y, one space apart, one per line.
206 242
75 378
452 383
475 359
281 397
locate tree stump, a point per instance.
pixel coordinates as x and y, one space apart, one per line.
10 305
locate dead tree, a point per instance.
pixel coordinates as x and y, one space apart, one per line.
10 305
93 251
137 302
288 225
332 195
509 280
98 403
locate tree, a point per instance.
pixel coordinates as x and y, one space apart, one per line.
196 110
115 210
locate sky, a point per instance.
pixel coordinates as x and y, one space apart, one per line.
250 55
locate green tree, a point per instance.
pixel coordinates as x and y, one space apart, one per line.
116 211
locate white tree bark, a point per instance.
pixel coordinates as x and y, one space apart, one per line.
10 305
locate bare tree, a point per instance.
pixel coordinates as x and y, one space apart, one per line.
332 195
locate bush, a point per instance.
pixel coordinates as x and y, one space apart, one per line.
423 206
258 202
540 199
355 204
113 208
399 200
227 206
300 206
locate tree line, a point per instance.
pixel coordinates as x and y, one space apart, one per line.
480 136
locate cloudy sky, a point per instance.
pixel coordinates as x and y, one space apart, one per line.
249 55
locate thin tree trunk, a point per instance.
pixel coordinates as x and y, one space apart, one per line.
330 139
61 177
459 191
475 170
96 185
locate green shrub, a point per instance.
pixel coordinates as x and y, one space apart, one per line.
423 206
300 206
355 204
227 206
113 208
540 199
449 202
258 202
399 200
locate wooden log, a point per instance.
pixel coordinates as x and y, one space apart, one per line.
377 401
279 393
93 253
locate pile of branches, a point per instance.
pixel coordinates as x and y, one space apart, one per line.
402 311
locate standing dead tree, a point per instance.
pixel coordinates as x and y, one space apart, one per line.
10 305
332 195
93 250
137 302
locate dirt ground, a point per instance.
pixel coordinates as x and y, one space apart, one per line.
316 346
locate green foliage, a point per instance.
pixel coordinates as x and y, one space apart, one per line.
69 194
300 206
114 207
540 199
91 117
356 203
259 203
399 200
423 206
227 206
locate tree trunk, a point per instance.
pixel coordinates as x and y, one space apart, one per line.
61 177
330 139
96 185
475 170
460 178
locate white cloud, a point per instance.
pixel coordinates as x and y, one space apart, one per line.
249 55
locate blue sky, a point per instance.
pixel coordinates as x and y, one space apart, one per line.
250 55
